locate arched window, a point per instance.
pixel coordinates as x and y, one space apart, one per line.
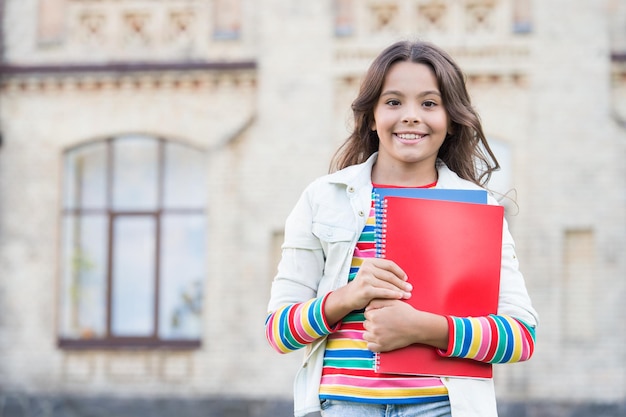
133 243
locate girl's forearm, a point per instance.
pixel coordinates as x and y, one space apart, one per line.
336 306
431 329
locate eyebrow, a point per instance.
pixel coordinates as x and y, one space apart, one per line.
398 93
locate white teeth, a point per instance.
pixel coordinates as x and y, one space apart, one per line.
409 136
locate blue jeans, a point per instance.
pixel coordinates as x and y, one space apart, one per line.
335 408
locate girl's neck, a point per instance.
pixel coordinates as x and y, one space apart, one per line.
404 178
431 185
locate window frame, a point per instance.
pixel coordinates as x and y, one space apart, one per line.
109 340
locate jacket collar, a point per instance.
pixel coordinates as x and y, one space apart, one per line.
448 179
361 175
355 175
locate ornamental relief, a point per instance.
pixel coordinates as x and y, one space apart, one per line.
180 27
432 16
480 33
90 27
137 29
428 17
384 17
213 82
479 16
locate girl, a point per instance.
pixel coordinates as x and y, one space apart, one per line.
414 126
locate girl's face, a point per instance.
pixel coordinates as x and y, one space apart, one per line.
411 123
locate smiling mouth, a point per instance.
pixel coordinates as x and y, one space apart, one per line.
409 136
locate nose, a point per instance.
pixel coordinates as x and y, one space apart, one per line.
411 115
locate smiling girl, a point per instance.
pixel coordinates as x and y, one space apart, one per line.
414 126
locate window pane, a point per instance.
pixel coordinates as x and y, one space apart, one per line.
133 276
85 177
83 280
183 254
135 173
184 177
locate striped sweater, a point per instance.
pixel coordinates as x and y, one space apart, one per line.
348 372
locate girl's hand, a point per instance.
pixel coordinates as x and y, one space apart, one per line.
393 324
377 279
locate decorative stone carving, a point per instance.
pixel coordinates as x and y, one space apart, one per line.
135 29
91 27
180 26
384 17
431 16
479 16
243 81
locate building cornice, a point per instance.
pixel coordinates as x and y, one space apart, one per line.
123 67
618 57
127 75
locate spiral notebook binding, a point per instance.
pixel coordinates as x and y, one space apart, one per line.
380 233
376 361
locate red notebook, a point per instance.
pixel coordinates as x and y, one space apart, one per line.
451 252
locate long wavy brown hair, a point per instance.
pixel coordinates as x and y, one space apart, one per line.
465 149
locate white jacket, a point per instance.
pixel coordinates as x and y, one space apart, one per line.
320 236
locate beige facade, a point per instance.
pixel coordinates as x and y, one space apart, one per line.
263 88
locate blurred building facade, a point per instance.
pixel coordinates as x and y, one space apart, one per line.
151 150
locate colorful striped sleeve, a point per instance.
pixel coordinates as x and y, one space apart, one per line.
491 339
293 326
